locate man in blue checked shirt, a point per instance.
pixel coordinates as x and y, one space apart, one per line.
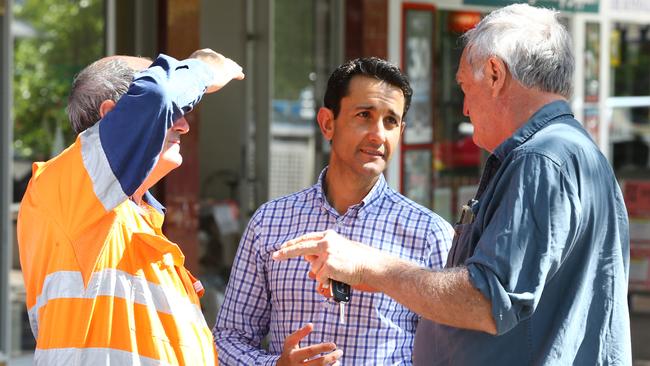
363 118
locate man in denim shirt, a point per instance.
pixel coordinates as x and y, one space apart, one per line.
538 271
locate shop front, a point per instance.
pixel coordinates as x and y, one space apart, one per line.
440 165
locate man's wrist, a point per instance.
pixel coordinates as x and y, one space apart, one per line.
375 269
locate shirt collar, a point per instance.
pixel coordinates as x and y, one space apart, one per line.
369 201
539 120
153 202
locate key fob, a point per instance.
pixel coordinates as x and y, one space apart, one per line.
340 291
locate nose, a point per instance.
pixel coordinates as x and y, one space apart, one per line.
181 126
378 131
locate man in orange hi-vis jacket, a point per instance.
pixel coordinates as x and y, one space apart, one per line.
104 285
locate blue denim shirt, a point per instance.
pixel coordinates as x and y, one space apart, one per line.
548 246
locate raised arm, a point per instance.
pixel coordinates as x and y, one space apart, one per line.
120 150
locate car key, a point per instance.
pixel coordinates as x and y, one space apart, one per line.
341 293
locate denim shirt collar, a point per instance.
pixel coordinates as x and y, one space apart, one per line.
373 197
539 120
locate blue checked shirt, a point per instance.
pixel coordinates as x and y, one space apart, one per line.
277 297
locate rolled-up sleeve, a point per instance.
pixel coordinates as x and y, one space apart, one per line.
533 228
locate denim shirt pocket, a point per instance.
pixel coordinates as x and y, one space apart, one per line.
461 247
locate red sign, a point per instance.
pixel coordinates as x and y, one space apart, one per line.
640 267
462 21
637 198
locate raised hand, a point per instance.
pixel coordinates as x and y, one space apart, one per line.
293 354
224 69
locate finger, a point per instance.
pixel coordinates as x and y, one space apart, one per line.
323 290
311 258
328 359
318 235
323 276
311 275
297 250
317 264
237 71
313 350
294 338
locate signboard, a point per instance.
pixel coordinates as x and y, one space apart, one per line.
585 6
630 5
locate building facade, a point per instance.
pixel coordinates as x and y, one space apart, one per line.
258 139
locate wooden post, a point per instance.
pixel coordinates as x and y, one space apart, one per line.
178 37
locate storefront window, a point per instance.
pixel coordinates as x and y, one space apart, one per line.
630 59
292 149
457 160
592 79
630 101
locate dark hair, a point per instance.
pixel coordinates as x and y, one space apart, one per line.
337 85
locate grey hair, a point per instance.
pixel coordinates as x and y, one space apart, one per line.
105 79
532 43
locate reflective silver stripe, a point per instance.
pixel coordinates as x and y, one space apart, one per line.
91 356
106 186
115 283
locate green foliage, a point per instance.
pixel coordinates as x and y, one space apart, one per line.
70 35
293 47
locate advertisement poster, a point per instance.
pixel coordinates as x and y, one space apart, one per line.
417 52
592 62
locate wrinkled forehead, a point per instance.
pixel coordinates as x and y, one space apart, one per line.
463 64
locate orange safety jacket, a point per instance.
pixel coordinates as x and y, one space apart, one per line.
104 285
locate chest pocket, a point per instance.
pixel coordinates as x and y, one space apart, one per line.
462 246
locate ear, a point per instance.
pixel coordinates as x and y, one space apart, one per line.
106 107
325 119
496 72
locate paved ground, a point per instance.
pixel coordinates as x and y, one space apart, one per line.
27 360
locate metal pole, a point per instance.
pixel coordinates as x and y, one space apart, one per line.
247 193
110 27
6 160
